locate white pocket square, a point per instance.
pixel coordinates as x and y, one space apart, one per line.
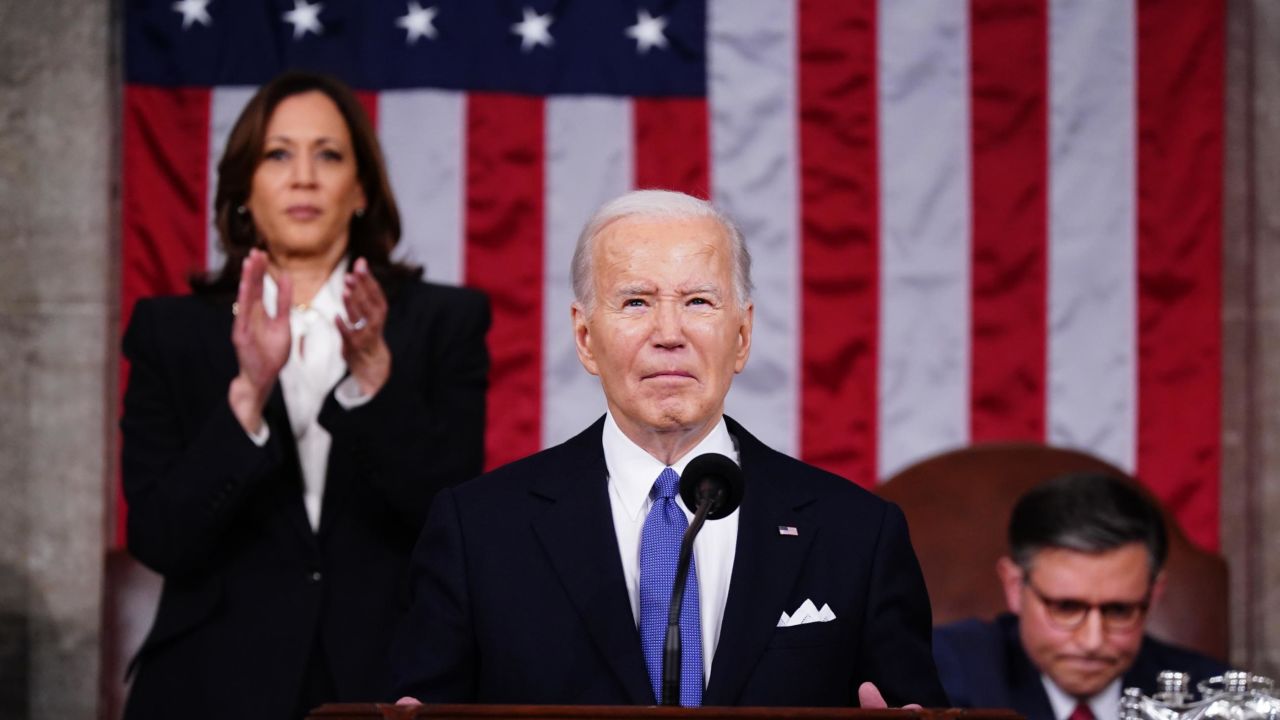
807 613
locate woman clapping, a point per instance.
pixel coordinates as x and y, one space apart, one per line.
286 426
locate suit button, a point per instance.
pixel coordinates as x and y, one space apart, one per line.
315 576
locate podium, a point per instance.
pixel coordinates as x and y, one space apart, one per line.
370 711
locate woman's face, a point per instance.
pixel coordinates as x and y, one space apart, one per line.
306 189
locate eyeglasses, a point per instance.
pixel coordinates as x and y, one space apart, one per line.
1070 613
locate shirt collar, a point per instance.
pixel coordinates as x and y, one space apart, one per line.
633 470
1105 704
327 302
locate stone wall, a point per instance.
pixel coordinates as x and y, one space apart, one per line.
58 139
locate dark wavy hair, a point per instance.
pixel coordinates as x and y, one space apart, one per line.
371 236
1088 513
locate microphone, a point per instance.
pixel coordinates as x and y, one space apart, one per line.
711 485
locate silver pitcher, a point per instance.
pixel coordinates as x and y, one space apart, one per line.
1234 695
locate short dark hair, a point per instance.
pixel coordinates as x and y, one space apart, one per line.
1088 513
372 236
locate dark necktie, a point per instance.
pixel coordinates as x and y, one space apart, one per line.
659 552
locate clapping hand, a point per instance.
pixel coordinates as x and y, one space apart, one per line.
261 341
363 348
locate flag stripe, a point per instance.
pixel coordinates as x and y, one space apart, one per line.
424 142
751 55
923 346
1092 351
504 226
369 101
589 160
1008 58
1180 129
225 106
840 233
163 204
671 143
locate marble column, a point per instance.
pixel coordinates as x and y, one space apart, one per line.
58 143
1251 333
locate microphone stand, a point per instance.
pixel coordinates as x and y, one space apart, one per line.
671 650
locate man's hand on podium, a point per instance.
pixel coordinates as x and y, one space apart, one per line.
869 698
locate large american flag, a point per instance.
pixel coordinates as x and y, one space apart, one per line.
971 220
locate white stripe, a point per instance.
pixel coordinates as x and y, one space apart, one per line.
225 105
751 49
925 230
588 161
1092 246
422 138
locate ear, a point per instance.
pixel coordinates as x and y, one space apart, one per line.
1011 582
1157 588
582 339
744 337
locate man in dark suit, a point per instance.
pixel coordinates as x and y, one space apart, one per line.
1086 553
547 581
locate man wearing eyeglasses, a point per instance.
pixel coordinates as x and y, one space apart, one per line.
1085 562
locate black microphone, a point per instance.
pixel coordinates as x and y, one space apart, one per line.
711 485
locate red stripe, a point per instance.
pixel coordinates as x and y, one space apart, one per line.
839 228
671 146
1180 136
369 101
164 199
1009 75
505 154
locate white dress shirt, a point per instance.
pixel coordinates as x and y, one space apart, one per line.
1105 705
315 364
632 473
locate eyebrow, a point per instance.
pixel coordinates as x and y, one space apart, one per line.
704 289
635 289
291 141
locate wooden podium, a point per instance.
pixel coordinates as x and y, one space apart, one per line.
626 712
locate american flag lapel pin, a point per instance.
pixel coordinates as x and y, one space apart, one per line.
788 530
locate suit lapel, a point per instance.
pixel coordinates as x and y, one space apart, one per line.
577 533
1026 690
222 356
339 474
765 568
215 336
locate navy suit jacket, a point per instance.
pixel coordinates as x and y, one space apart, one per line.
519 594
248 586
983 664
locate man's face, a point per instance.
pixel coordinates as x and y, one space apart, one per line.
1084 659
666 334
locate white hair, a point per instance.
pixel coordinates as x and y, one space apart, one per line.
655 205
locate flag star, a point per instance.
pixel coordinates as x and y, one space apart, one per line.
647 31
193 11
534 30
418 22
304 17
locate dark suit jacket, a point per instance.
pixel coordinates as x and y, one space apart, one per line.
982 664
519 594
248 586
